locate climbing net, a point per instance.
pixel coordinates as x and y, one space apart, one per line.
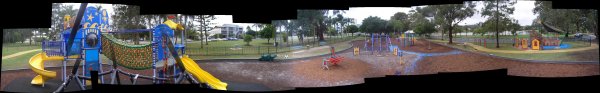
136 57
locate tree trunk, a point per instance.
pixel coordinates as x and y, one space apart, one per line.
136 40
497 23
320 29
450 34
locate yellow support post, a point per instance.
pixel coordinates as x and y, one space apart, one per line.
535 44
395 51
356 51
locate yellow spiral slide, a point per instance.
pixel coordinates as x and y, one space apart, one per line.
37 65
203 76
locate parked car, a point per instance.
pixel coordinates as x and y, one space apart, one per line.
578 35
231 38
588 37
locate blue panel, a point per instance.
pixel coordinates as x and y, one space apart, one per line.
561 46
157 34
91 61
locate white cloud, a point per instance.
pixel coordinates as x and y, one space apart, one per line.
360 13
524 12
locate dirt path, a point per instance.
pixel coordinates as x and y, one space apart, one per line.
480 48
19 53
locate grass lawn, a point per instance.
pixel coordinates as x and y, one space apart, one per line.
578 44
564 56
503 46
8 49
17 62
22 62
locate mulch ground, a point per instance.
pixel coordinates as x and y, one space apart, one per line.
349 69
422 46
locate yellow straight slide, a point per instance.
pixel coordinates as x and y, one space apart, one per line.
37 65
201 75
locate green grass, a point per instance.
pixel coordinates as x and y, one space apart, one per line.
17 62
578 44
563 56
8 49
22 62
503 46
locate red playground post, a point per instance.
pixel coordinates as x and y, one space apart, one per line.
334 59
484 43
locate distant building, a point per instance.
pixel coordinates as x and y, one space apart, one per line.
227 30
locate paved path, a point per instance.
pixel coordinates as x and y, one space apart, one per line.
480 48
420 56
20 53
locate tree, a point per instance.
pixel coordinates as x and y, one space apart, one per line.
352 29
250 32
566 18
497 10
292 27
284 37
58 17
424 27
248 39
127 17
205 25
452 14
400 22
279 24
373 24
315 20
268 32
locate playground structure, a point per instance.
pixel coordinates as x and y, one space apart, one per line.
380 41
333 59
86 44
407 39
377 44
538 41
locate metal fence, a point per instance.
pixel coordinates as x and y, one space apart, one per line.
53 48
259 50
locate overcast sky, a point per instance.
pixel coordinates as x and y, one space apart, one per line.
523 13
